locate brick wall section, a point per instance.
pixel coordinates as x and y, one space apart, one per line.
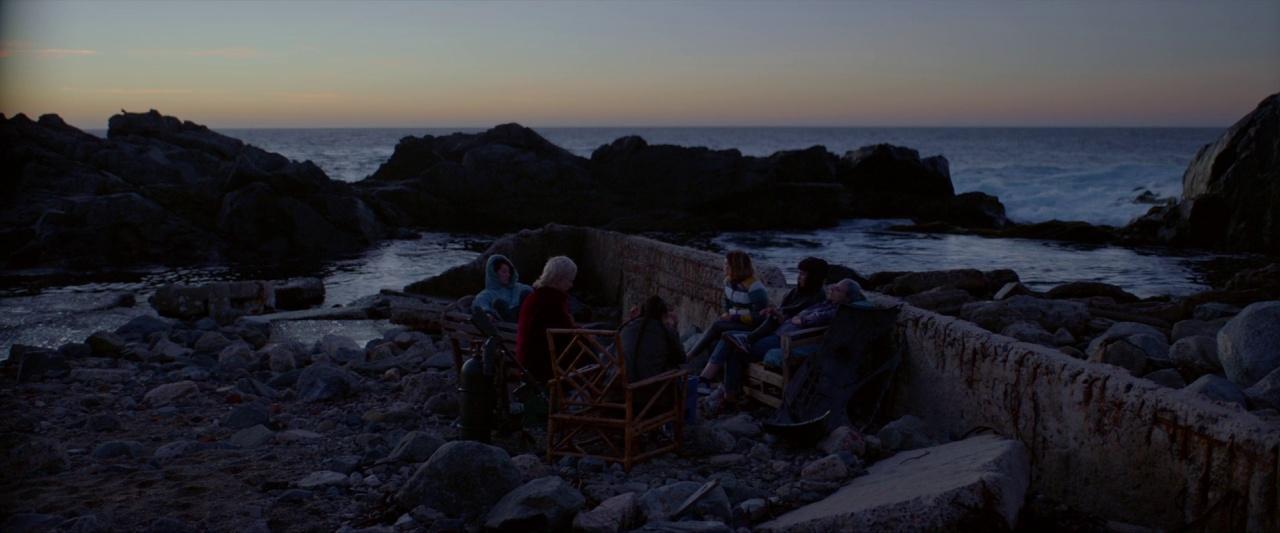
1100 439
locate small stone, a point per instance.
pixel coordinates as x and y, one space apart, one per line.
1213 310
740 425
280 358
118 448
906 433
236 355
294 495
728 459
297 435
754 509
106 344
829 468
321 479
1168 377
251 437
211 342
531 466
102 422
246 416
169 392
844 438
174 450
101 375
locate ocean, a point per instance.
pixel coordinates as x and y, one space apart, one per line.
1039 174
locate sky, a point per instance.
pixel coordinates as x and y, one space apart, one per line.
437 64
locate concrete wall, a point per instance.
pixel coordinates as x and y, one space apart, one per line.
1100 439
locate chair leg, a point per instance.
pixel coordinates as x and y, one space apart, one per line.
551 440
628 447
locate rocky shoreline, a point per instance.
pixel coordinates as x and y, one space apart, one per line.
158 190
200 420
204 422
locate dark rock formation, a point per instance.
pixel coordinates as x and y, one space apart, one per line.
506 177
510 177
160 190
1230 191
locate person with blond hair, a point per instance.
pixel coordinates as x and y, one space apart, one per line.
547 307
745 298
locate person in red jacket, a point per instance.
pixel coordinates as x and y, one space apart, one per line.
546 308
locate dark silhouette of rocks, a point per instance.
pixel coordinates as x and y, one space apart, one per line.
1230 191
510 177
160 190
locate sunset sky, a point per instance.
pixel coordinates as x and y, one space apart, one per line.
296 64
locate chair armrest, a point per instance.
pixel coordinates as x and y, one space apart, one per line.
670 374
804 336
559 331
805 333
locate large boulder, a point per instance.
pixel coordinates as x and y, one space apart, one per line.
462 478
1130 345
414 447
319 383
616 514
1266 392
544 504
974 484
660 503
1230 191
887 181
1050 314
1249 345
1217 388
1196 355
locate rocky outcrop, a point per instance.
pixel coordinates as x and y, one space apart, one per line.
509 177
160 190
1230 191
504 178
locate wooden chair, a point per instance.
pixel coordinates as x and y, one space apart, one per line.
765 384
595 412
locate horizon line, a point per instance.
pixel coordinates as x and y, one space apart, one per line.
698 126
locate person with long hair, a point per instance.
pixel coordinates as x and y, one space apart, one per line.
650 342
843 292
744 299
547 307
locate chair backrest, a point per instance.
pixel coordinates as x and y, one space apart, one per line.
588 364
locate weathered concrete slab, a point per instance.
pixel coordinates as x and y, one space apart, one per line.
1100 439
976 483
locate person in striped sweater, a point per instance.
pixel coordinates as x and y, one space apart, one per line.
745 298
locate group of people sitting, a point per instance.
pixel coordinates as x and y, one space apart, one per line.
749 330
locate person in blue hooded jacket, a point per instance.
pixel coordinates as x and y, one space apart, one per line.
503 293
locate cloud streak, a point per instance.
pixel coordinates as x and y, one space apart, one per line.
15 48
233 52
